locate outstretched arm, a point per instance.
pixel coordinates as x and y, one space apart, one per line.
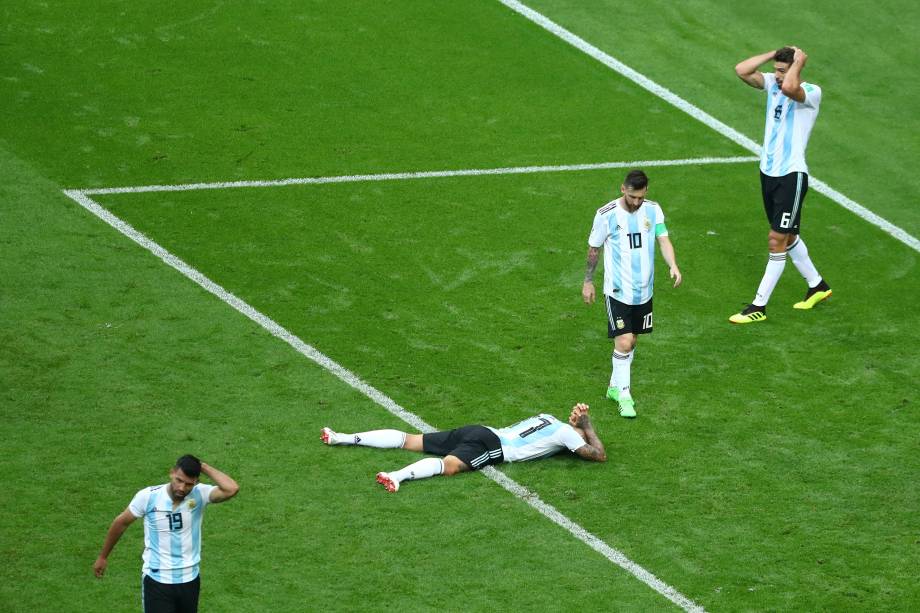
118 527
792 82
226 488
587 289
748 71
594 449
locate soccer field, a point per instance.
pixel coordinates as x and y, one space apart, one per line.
426 263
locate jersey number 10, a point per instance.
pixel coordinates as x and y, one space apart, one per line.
635 240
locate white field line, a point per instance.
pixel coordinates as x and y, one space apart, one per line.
697 113
247 310
275 329
401 176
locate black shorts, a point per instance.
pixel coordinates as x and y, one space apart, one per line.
476 446
628 318
172 597
782 200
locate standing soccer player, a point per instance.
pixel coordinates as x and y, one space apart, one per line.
627 229
792 108
172 515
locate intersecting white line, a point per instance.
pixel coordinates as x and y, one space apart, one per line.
82 197
310 352
697 113
402 176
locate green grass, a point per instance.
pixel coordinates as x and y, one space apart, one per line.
864 143
772 467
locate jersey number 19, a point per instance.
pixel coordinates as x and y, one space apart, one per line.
175 520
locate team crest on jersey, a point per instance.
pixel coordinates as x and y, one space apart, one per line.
192 504
620 324
647 225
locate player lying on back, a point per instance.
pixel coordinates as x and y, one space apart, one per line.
472 447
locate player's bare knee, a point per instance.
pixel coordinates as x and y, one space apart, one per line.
625 343
414 442
453 466
777 242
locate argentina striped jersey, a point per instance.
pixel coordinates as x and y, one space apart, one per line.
629 241
172 536
787 128
537 437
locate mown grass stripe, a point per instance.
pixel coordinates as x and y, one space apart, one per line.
699 114
350 378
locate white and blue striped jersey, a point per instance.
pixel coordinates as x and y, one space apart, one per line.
172 537
788 126
537 437
628 240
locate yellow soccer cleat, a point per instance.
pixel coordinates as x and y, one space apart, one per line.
750 314
815 295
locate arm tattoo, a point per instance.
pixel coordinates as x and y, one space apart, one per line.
589 452
594 450
592 263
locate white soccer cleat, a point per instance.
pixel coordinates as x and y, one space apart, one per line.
328 436
388 482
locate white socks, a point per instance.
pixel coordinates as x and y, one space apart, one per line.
382 439
619 378
427 467
799 254
770 277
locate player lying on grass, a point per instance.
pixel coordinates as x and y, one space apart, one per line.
472 447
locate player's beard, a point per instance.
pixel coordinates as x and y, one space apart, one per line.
175 495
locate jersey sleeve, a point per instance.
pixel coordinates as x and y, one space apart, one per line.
769 80
205 490
660 228
570 438
812 95
598 232
138 506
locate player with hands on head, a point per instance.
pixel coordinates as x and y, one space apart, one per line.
172 514
791 111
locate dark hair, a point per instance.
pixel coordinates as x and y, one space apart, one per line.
190 465
784 55
636 179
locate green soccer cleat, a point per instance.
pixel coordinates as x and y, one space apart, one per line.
815 295
613 393
627 407
750 314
